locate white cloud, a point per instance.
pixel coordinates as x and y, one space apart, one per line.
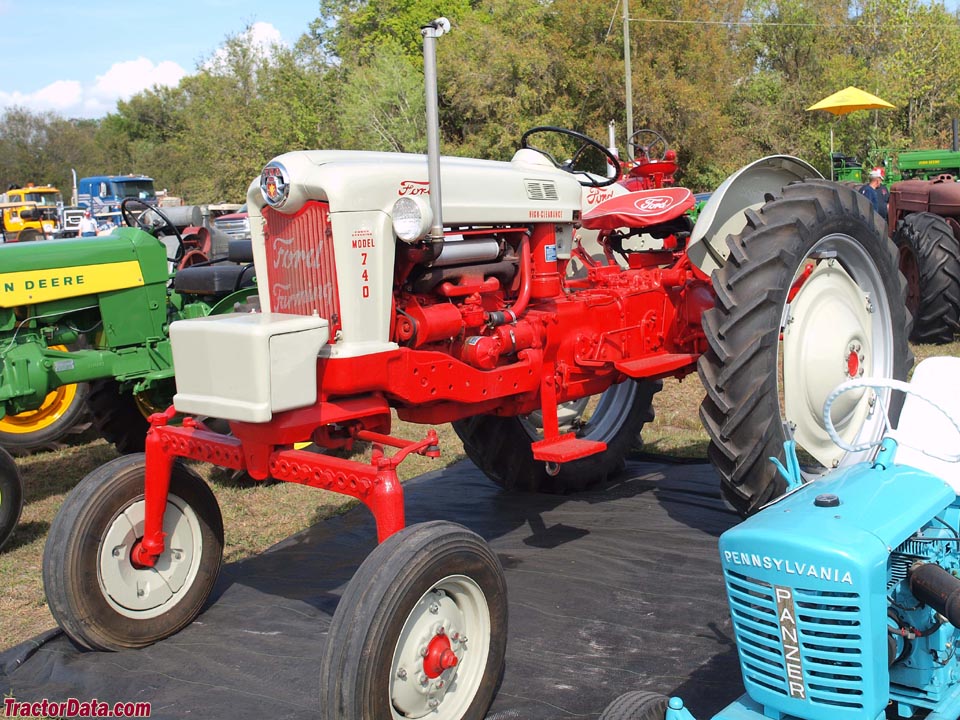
73 99
58 96
125 79
262 35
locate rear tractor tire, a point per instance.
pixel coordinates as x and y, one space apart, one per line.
62 414
420 632
810 296
501 446
95 592
120 417
11 496
929 256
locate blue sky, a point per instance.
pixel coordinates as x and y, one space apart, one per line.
78 57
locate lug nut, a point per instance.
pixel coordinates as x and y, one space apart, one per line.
402 674
434 608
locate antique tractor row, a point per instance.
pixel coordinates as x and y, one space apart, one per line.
84 328
844 595
460 290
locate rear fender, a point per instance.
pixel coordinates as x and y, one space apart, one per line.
748 188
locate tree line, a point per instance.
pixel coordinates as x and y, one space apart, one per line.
726 81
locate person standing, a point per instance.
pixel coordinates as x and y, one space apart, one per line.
873 192
88 226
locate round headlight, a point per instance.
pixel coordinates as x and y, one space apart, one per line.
412 218
274 184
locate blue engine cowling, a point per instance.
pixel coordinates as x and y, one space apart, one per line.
827 627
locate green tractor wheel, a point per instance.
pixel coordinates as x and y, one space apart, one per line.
63 413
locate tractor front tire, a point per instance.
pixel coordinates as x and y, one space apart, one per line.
421 630
97 595
809 297
637 705
930 261
501 446
11 496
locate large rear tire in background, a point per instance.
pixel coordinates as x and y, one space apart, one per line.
930 262
420 631
64 413
118 416
809 297
501 446
11 496
95 592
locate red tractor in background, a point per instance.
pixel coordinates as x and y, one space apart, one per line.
924 220
441 289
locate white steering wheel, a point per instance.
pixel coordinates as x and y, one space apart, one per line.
883 384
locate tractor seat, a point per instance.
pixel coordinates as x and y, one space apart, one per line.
213 279
639 209
923 426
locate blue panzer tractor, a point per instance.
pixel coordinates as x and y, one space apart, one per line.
845 593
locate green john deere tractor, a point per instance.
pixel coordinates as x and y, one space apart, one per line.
96 311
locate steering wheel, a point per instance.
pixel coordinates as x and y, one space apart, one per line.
586 178
653 145
137 221
880 384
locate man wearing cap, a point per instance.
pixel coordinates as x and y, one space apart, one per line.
872 192
88 226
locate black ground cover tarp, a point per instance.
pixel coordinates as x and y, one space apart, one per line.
610 590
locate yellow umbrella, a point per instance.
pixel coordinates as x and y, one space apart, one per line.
846 101
850 99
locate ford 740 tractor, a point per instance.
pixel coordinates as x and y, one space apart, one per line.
844 594
438 288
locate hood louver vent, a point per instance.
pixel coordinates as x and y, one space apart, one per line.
538 190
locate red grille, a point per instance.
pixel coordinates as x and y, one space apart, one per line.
301 272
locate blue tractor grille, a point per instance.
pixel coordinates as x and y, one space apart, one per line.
830 669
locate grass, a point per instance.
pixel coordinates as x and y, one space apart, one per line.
257 517
254 518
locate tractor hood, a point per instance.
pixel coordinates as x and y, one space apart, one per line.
527 189
57 269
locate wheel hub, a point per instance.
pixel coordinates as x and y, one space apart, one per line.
440 656
435 671
826 339
139 592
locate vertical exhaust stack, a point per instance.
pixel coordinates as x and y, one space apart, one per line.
430 34
956 135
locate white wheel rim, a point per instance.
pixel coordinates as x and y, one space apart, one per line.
837 327
143 593
454 614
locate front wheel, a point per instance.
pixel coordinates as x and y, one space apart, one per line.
637 705
420 632
810 296
11 496
95 592
501 446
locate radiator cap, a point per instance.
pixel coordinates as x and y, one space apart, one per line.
827 500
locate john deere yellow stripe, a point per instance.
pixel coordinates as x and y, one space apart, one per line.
35 286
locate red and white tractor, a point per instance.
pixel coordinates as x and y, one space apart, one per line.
439 288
